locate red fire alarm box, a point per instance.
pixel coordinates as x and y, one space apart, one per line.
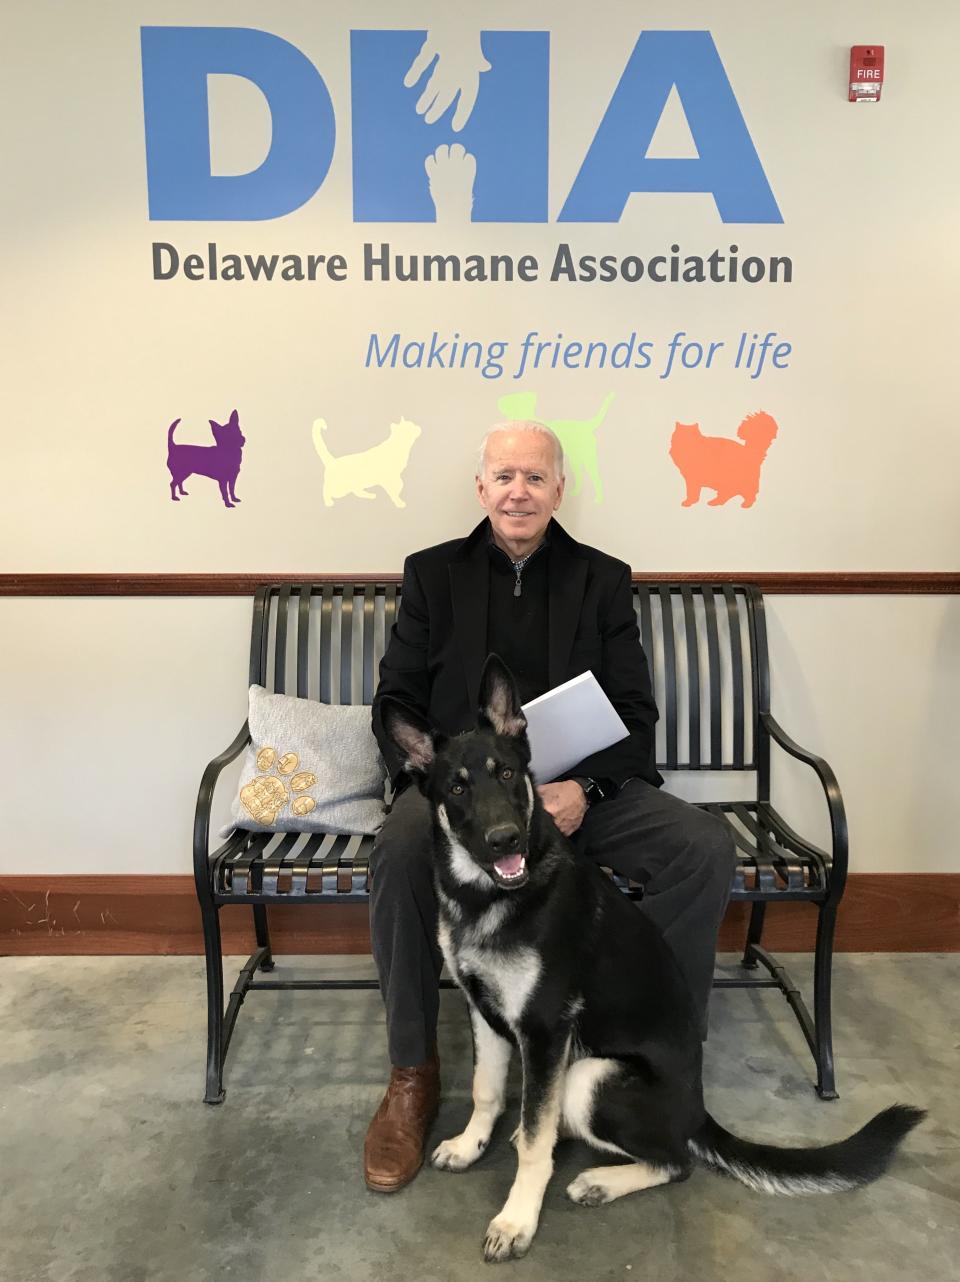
866 73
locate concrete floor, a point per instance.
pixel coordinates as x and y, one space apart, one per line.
114 1171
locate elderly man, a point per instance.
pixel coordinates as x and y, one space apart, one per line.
520 586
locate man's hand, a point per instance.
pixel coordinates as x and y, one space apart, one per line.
456 72
566 802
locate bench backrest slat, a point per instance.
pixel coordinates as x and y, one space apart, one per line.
705 643
713 663
303 640
327 683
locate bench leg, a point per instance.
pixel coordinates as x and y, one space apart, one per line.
263 934
754 933
214 957
822 1018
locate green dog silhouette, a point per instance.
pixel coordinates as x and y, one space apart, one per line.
577 437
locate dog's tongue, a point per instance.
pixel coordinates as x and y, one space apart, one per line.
510 866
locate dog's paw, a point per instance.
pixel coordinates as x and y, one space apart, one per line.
585 1191
458 1153
506 1240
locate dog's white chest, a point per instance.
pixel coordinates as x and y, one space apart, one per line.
509 976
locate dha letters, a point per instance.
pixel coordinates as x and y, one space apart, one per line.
381 263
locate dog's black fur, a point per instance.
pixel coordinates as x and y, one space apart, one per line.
555 961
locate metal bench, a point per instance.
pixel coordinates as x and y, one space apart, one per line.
707 647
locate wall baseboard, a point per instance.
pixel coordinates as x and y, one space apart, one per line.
819 582
141 915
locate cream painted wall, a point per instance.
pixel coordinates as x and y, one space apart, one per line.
102 358
113 708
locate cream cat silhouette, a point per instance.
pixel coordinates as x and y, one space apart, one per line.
382 465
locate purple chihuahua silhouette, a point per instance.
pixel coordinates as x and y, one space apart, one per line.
221 462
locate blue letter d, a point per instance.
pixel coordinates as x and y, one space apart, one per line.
176 63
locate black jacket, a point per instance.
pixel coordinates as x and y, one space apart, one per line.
437 646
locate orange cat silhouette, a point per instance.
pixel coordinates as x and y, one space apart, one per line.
718 463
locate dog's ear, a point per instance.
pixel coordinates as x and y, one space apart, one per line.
410 733
234 419
500 699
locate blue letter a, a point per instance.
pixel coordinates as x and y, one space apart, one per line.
728 166
176 63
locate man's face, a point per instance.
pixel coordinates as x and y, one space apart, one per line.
520 488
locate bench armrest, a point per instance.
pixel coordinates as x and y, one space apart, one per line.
201 822
831 790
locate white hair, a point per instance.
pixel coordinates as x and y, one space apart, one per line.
523 425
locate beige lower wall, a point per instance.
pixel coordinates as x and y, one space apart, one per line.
114 706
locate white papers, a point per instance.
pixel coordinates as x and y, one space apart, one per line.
568 723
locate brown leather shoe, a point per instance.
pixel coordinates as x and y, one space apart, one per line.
393 1149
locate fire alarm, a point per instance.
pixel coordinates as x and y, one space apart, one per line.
866 73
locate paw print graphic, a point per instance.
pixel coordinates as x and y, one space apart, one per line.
264 796
451 172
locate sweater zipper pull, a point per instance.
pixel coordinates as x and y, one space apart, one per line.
516 587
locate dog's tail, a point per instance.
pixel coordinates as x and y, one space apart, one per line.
833 1168
319 444
170 431
601 413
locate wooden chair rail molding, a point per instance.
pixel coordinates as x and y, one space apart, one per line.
808 582
116 915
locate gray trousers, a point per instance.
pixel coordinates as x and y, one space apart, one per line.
683 857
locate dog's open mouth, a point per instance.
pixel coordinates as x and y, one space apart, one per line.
511 870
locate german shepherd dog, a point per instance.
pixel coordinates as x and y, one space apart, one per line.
556 962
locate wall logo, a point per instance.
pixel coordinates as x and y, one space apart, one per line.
491 90
716 463
380 467
221 462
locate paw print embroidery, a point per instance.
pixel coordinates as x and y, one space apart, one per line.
266 795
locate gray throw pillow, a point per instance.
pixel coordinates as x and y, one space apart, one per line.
311 767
